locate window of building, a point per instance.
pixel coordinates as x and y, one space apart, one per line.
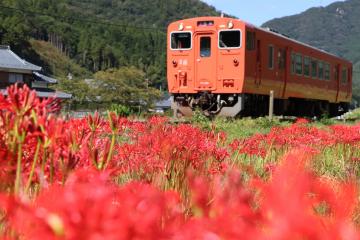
327 71
205 47
344 76
321 70
271 57
314 68
230 39
16 78
181 40
250 41
298 64
306 66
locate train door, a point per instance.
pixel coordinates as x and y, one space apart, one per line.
258 63
205 61
281 68
337 77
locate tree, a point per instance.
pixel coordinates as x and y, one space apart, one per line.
82 92
126 85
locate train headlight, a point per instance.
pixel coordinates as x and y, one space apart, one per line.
230 24
181 27
236 62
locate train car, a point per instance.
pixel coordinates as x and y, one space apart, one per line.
227 67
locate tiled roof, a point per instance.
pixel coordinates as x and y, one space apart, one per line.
9 60
165 103
43 78
55 94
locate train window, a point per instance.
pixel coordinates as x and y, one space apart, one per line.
293 63
314 68
327 71
281 58
250 40
181 40
321 70
230 39
306 66
336 73
271 57
205 47
344 76
299 64
205 23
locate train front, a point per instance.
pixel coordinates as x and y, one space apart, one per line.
205 65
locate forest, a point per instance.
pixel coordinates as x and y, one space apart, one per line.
93 36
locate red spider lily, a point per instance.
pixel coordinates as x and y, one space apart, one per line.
69 167
290 199
165 148
89 207
298 135
285 207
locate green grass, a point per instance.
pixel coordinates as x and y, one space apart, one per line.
238 128
339 161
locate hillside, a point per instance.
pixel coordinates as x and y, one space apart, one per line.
54 61
335 28
95 34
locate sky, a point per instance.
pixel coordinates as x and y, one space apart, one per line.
258 12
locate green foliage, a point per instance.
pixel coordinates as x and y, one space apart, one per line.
120 110
126 85
326 120
245 127
354 115
96 34
81 91
200 119
56 63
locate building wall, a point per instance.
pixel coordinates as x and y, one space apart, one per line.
4 79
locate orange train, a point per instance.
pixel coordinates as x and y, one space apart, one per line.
228 67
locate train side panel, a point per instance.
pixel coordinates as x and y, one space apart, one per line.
273 65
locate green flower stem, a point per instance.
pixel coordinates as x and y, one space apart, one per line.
18 169
111 150
36 156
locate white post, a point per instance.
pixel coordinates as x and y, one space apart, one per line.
271 105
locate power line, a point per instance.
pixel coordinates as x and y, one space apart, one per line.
104 22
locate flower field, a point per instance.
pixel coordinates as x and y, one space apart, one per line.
107 177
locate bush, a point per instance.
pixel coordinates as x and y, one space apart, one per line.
121 110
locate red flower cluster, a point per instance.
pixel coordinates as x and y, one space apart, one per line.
298 135
39 147
59 179
89 206
166 148
293 204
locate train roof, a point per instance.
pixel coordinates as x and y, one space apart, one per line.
267 30
278 34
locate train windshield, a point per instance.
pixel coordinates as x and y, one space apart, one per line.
181 40
230 39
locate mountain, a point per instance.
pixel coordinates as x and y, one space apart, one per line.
94 35
335 28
